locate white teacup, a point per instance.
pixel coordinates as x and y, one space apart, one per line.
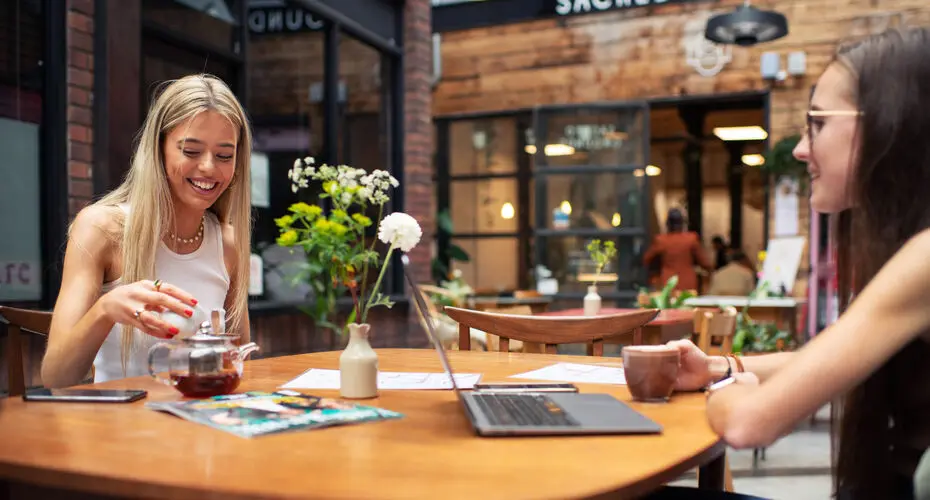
187 327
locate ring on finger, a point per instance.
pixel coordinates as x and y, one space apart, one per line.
138 313
158 284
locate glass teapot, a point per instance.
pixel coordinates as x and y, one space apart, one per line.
203 365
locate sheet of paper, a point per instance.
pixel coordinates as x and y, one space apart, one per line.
786 208
316 378
576 372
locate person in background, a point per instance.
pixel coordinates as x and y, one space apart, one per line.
680 251
737 278
869 161
720 251
173 236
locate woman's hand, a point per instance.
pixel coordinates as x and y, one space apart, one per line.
136 304
694 372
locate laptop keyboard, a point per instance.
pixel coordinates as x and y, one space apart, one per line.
522 410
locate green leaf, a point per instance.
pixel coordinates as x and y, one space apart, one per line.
457 253
444 222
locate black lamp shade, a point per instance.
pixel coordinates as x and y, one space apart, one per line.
746 26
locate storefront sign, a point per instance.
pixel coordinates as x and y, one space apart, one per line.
449 15
571 7
274 20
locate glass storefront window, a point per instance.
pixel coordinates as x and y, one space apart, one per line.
211 22
492 267
483 147
567 258
21 104
484 205
609 137
604 201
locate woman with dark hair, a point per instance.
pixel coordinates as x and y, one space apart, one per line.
679 251
869 159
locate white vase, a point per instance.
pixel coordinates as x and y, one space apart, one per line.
358 365
592 302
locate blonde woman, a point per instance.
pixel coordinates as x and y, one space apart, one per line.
174 235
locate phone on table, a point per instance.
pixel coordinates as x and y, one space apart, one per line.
85 395
524 387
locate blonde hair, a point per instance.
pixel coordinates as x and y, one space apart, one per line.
147 192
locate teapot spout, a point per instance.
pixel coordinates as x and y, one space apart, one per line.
247 349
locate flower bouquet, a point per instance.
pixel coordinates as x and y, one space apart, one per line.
338 255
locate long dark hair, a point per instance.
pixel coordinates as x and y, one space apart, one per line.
889 191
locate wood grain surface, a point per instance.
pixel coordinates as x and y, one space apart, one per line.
128 450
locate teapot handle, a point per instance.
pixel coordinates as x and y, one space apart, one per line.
155 348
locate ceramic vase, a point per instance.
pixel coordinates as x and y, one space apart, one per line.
358 365
592 302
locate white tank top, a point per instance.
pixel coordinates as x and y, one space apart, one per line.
202 273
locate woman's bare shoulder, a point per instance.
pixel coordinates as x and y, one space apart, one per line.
98 227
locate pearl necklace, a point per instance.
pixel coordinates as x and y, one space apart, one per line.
188 241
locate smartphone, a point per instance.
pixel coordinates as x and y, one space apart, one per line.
523 387
85 395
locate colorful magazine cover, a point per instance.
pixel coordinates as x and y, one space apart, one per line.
257 413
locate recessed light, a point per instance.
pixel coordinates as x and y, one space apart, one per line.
751 133
753 160
653 170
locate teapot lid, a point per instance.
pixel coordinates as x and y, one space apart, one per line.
205 334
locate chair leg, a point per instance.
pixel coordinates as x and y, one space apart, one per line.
14 352
727 475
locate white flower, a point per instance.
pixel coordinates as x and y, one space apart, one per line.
400 231
309 160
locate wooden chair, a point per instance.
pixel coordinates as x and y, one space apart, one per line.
713 325
436 316
548 330
18 320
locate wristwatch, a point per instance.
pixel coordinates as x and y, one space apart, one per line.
719 385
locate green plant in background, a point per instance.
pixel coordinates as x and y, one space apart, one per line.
752 336
442 263
666 298
780 161
337 254
601 254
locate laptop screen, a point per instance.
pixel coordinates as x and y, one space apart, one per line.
430 331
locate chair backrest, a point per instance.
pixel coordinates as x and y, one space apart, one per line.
548 330
716 324
526 294
18 320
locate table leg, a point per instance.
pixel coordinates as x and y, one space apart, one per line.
710 476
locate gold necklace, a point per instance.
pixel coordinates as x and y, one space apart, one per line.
188 241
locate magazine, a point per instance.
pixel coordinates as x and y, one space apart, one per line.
258 413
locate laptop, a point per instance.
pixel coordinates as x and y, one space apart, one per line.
529 414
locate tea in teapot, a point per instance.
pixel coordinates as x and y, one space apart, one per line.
203 365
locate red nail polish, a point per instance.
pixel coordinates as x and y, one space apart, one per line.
193 302
188 312
174 330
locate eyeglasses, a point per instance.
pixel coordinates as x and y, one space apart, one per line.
811 130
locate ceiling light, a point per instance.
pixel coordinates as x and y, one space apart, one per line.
751 133
616 220
653 170
753 160
559 150
566 207
639 172
530 149
746 26
507 211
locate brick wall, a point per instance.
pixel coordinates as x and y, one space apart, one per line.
80 103
418 149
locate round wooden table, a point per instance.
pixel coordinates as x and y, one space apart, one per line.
129 450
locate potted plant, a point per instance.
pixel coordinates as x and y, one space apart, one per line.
338 256
780 161
666 298
601 254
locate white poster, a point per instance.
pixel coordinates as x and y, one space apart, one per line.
782 260
260 190
786 208
20 254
